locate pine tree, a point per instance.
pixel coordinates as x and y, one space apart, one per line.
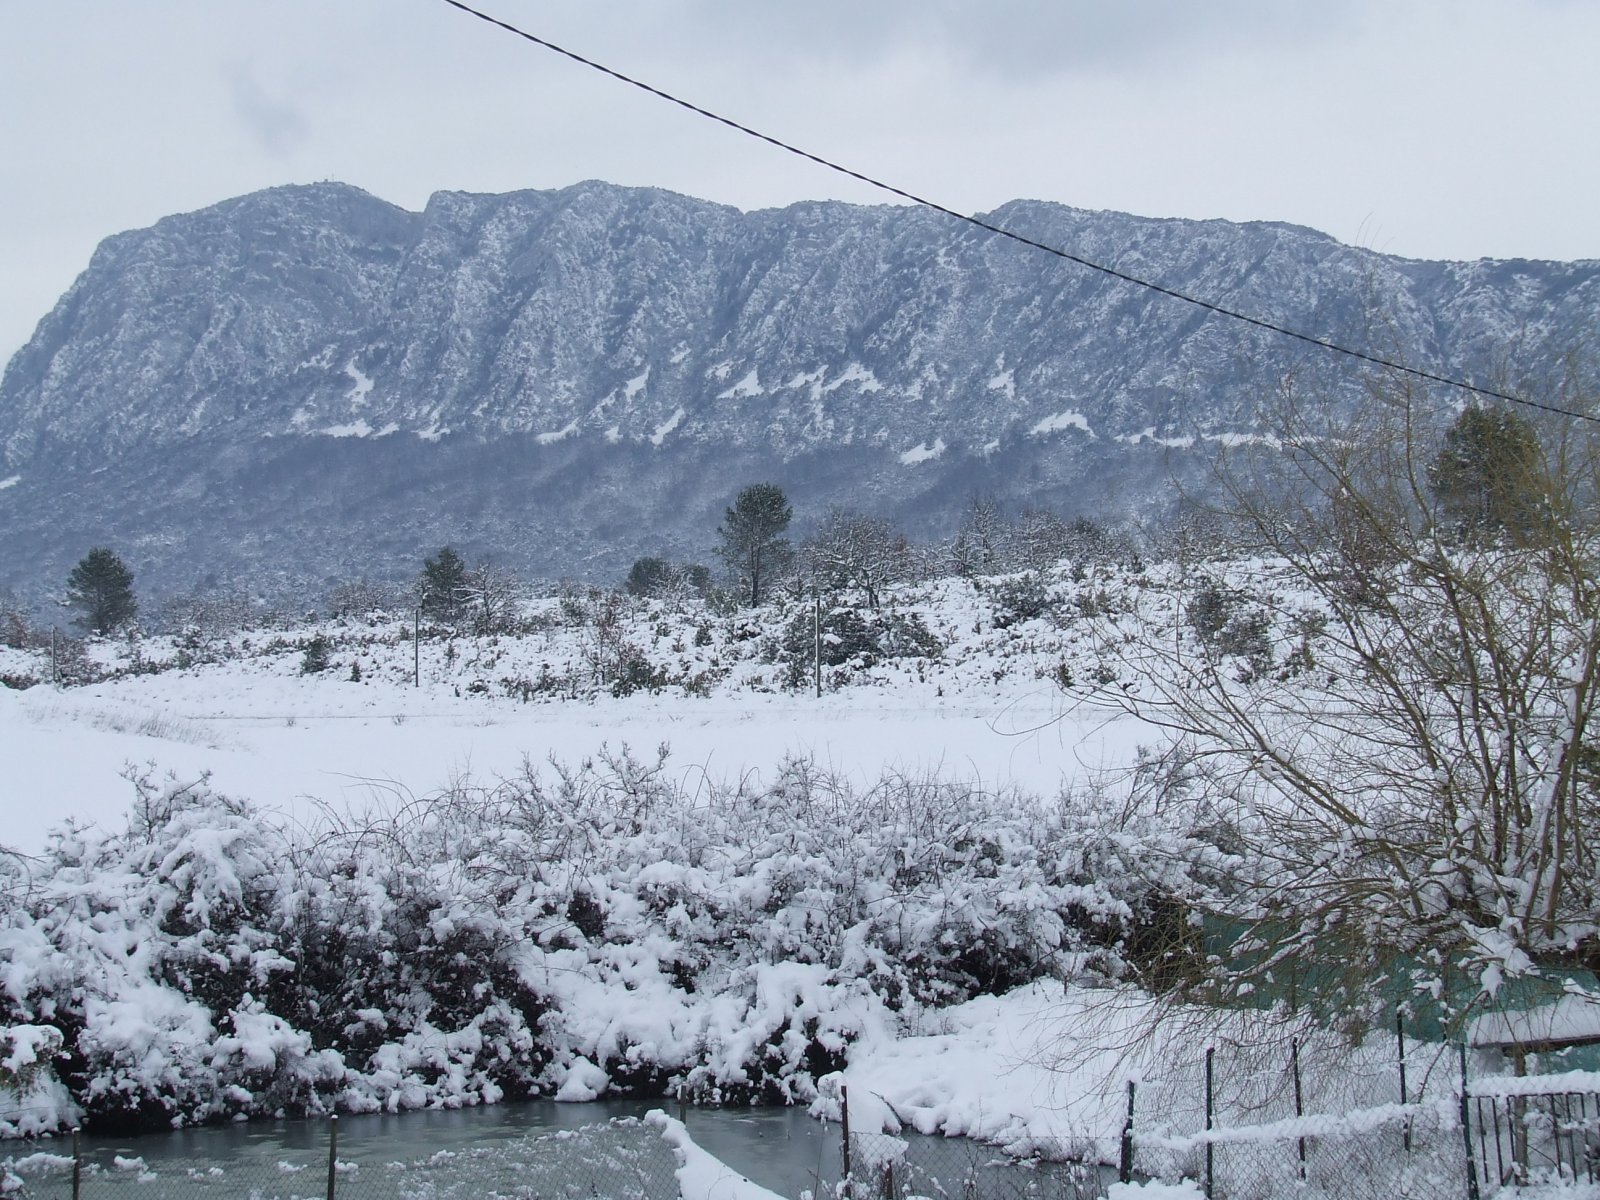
753 546
442 589
101 588
1486 475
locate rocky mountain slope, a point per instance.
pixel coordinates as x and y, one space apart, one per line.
309 382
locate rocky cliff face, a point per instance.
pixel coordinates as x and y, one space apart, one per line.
310 382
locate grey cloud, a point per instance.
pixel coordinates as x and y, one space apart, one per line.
276 125
1010 36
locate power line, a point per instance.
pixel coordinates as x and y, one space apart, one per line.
1321 343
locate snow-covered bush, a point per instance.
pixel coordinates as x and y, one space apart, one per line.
850 637
569 931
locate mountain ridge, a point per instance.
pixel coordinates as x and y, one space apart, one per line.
571 333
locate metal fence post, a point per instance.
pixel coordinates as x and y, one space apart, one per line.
77 1163
1299 1098
333 1152
1400 1043
1466 1130
1210 1149
1125 1166
844 1121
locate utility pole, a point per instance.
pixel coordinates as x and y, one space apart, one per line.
816 629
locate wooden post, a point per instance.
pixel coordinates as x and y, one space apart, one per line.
416 647
333 1152
1466 1130
77 1152
1517 1119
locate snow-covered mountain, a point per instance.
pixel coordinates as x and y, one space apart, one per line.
309 382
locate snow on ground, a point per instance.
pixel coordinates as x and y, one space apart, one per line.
986 711
290 746
1000 1068
700 1175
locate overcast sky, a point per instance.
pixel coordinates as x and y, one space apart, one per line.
1429 128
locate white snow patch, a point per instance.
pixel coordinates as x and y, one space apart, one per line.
1568 1018
614 434
584 1082
1006 382
1154 1189
856 373
750 385
358 394
300 419
635 385
1533 1085
666 427
679 354
556 435
10 481
357 428
701 1175
1245 439
990 447
1148 434
432 433
1069 419
721 371
922 452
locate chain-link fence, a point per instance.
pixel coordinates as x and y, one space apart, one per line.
1415 1151
1263 1122
626 1159
884 1167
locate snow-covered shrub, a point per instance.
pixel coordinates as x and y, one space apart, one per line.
317 655
569 930
850 637
1020 598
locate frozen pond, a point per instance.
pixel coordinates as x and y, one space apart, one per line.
536 1148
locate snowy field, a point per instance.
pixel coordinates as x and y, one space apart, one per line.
987 713
304 743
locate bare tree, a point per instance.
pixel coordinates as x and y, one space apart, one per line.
985 544
490 595
854 551
1043 538
1407 791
